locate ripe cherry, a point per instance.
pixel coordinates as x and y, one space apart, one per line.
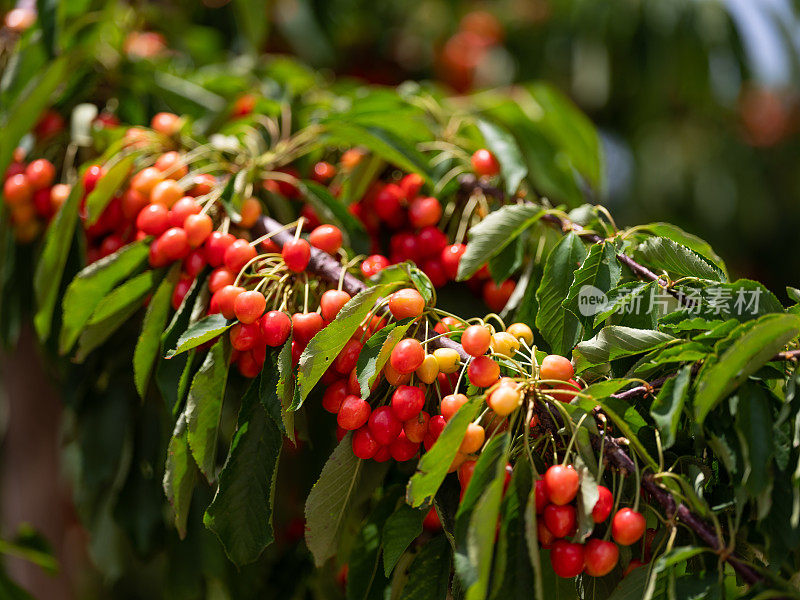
634 564
374 264
432 267
174 244
448 324
216 245
450 257
332 302
411 185
145 180
431 241
249 306
114 242
483 371
431 522
565 392
465 472
407 402
155 257
347 359
403 449
219 278
171 164
407 356
245 336
198 228
476 340
394 377
384 425
306 326
567 559
473 439
417 427
406 303
561 483
91 177
484 163
249 213
41 201
323 172
202 184
450 405
225 298
166 192
334 396
604 505
424 212
600 557
541 496
194 263
166 123
496 296
182 209
353 413
40 174
296 254
276 326
627 526
364 444
238 254
132 203
388 206
17 190
560 520
546 538
327 238
556 367
435 427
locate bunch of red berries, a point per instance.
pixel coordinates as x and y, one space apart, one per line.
30 195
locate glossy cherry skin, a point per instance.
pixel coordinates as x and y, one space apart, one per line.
567 559
561 483
600 557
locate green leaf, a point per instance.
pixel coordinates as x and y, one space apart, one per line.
694 243
241 512
334 211
286 388
599 273
495 232
559 327
632 586
435 463
200 332
107 186
429 574
365 579
180 475
667 407
504 147
326 345
662 254
204 407
149 340
344 483
51 263
751 351
91 285
375 354
504 265
587 498
481 537
614 342
754 426
402 528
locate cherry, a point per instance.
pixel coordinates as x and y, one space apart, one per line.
270 247
394 377
448 324
406 303
561 483
504 344
407 402
484 163
353 413
521 332
407 356
431 241
249 213
431 522
166 123
306 326
565 392
17 190
435 427
202 184
476 340
249 306
374 264
428 370
91 176
248 365
504 400
323 172
473 439
174 244
296 254
411 185
567 559
132 203
40 174
403 449
155 257
58 195
114 242
605 502
450 405
465 472
432 267
546 538
275 326
327 238
634 564
388 205
145 180
560 520
182 209
245 336
166 192
384 425
483 371
417 427
383 454
332 302
334 396
447 360
49 125
364 444
171 165
198 228
41 201
194 263
219 278
238 254
627 526
496 296
600 557
403 246
541 496
216 245
424 212
556 367
347 359
244 105
225 298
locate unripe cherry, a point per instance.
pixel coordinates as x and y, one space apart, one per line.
504 344
428 370
145 180
504 400
473 439
198 228
450 405
521 332
447 359
172 165
166 192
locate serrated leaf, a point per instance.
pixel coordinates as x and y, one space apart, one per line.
433 466
286 388
506 150
429 574
504 265
107 186
598 274
400 529
91 285
662 254
694 243
149 340
199 333
559 327
614 342
667 407
375 354
204 407
180 475
762 341
241 512
495 232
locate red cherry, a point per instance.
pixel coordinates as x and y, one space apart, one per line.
364 444
484 163
406 303
323 172
245 336
560 520
403 246
219 278
334 396
605 502
403 449
40 173
194 263
275 326
556 367
249 306
450 405
182 209
435 427
627 526
225 298
451 256
424 212
332 302
202 184
567 559
198 228
156 257
388 206
561 483
407 402
296 254
407 356
353 413
153 219
417 427
91 176
431 241
384 425
483 371
432 267
238 254
248 365
411 185
327 238
546 538
465 473
496 296
634 564
174 244
476 340
114 242
215 247
541 496
431 521
306 326
42 203
382 455
347 359
374 264
448 324
600 557
132 203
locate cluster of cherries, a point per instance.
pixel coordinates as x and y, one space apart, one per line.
30 195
